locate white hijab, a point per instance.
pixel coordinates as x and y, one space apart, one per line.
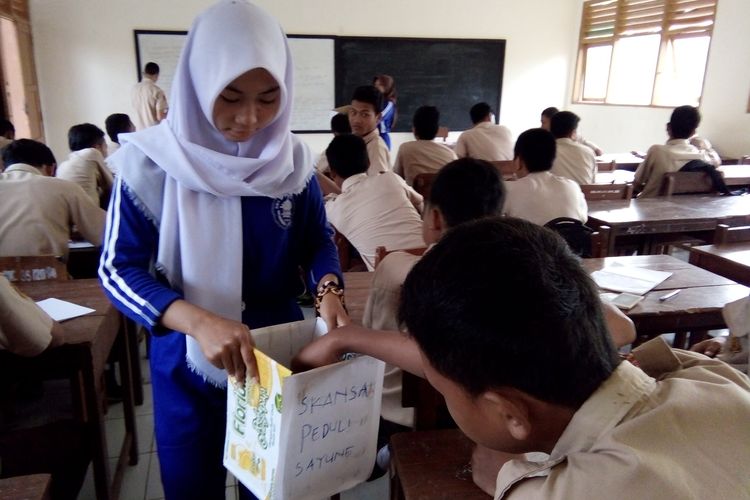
200 225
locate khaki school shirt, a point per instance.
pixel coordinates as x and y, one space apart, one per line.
663 159
37 212
574 161
377 151
149 103
486 141
421 157
24 327
675 428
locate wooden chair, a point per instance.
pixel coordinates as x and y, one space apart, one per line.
725 234
381 252
600 242
423 183
348 256
686 183
745 160
574 232
606 166
442 133
607 191
33 268
507 169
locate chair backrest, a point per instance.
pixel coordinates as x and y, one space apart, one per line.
686 183
349 259
745 160
600 242
442 133
606 166
33 268
423 183
381 252
574 232
507 168
607 191
725 234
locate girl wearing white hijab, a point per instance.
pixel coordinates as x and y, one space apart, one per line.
220 199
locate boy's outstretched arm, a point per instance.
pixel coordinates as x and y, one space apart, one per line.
393 347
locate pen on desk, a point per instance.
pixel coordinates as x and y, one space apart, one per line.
669 295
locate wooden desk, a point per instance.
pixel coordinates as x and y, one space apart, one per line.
731 260
624 161
644 218
31 487
431 465
357 288
696 308
89 341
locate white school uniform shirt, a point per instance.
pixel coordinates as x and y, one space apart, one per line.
542 196
486 141
662 159
379 210
574 161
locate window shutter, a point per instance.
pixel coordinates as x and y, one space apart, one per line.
599 20
693 17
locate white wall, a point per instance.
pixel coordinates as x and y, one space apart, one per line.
85 52
85 59
725 96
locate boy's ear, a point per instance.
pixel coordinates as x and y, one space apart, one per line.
437 220
511 411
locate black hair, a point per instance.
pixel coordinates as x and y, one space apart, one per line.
84 135
340 124
115 124
563 123
29 152
426 122
467 189
151 68
347 155
536 147
6 126
371 95
684 121
501 302
550 112
479 112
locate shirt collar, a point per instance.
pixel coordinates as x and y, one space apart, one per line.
483 125
352 180
672 142
604 409
22 167
371 135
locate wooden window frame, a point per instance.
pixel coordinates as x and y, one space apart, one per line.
616 19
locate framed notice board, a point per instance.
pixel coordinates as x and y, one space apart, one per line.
452 74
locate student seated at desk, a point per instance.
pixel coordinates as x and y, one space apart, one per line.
371 211
25 329
507 325
539 195
85 166
424 155
339 126
37 210
546 124
365 112
673 155
116 124
464 190
572 160
485 140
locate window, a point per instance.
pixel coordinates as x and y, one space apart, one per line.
643 52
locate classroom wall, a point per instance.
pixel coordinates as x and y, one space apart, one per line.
85 52
85 58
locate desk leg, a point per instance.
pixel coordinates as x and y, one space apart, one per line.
95 425
130 330
128 385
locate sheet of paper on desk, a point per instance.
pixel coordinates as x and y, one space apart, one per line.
635 280
60 310
80 244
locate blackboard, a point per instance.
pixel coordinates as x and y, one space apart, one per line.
451 74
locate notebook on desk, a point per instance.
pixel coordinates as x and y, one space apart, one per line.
636 280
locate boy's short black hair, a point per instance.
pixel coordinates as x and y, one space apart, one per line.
426 122
84 135
537 148
501 302
115 124
340 124
563 123
347 155
550 112
29 152
371 95
467 189
684 121
6 126
479 112
151 68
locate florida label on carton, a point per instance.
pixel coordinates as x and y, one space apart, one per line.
307 435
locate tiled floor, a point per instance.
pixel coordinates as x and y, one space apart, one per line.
143 482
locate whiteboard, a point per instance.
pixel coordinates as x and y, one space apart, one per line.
314 75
